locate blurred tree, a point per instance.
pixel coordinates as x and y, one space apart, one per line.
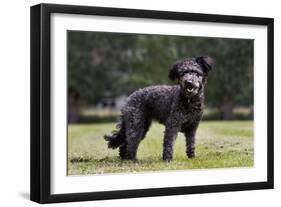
98 63
111 64
231 83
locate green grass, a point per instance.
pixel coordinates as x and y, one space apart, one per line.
220 144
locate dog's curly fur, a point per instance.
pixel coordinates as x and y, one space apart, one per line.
178 107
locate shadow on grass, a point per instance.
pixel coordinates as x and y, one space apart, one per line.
113 160
80 159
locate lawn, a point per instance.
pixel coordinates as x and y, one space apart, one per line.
220 144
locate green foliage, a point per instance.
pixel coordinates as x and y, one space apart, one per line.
232 78
220 144
111 64
98 63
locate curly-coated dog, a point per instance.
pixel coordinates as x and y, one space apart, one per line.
178 107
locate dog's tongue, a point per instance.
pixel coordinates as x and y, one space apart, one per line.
189 90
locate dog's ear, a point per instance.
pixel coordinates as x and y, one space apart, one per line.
174 72
206 63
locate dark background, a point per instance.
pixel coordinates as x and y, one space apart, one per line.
104 68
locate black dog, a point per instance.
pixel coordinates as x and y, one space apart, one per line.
178 107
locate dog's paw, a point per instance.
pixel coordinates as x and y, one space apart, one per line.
167 158
191 155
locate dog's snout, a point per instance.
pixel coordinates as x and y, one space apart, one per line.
188 84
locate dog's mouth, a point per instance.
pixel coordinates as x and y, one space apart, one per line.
191 90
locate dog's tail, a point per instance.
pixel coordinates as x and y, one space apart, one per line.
117 136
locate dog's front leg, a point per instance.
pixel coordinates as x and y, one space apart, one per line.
169 140
189 133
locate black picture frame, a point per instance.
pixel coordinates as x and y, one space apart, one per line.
40 102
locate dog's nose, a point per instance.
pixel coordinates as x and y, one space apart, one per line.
188 84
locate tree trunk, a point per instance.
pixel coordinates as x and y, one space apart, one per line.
73 108
227 109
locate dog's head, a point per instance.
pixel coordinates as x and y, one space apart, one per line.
191 74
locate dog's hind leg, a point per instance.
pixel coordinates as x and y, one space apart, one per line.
136 128
123 151
134 137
